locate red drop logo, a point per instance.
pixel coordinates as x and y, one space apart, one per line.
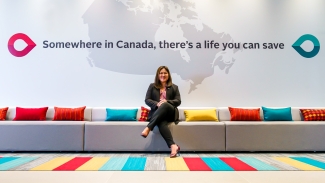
25 51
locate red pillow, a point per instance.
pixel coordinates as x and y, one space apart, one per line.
144 114
69 114
239 114
3 113
313 114
30 114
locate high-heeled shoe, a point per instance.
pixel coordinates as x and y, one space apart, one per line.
143 135
178 152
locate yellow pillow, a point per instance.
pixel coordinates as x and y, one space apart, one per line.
201 115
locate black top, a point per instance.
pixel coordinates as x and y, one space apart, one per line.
153 97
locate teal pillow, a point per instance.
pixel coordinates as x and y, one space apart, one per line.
121 114
280 114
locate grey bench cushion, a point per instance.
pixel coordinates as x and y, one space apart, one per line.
275 136
122 136
41 135
200 136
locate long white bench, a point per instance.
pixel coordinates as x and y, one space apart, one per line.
96 134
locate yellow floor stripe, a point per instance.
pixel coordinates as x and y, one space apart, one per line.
50 165
175 164
94 164
297 164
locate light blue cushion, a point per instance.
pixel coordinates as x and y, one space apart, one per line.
279 114
121 114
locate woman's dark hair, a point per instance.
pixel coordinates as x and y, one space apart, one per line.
157 81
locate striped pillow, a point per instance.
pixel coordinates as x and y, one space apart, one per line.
144 114
239 114
69 114
313 114
3 113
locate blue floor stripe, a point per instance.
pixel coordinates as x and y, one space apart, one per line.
135 164
257 164
14 163
217 164
309 161
114 164
6 159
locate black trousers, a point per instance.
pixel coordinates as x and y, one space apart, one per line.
161 118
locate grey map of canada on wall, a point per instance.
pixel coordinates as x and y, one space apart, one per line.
154 21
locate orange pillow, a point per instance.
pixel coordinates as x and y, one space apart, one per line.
144 114
3 113
239 114
69 114
313 114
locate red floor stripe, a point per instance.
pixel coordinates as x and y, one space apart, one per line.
73 164
196 164
237 165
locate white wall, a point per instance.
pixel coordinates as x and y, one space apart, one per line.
120 77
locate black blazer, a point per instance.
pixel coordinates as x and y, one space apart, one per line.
172 96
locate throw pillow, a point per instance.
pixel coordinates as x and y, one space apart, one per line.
38 114
69 114
144 114
3 113
240 114
313 114
121 114
201 115
277 114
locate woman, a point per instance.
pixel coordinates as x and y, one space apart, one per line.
163 98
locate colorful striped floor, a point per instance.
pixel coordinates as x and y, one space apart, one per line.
187 162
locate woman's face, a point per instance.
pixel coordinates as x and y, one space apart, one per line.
163 76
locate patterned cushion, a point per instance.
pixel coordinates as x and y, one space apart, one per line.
69 114
23 114
144 114
313 114
3 113
201 115
239 114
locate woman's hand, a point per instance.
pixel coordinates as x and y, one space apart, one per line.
161 102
